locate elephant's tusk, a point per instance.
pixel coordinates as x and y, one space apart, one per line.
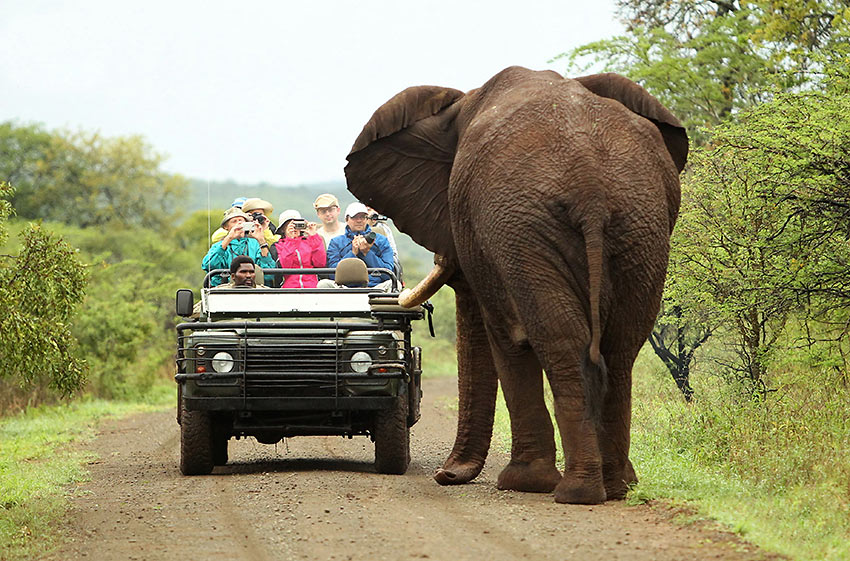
427 287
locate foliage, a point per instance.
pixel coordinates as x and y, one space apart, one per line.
763 229
126 324
86 179
773 471
707 60
40 289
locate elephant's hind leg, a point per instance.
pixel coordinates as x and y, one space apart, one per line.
617 470
477 384
532 466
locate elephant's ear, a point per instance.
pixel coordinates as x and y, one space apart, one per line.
640 101
401 162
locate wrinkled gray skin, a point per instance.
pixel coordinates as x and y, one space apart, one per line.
551 202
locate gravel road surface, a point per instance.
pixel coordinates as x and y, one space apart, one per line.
318 498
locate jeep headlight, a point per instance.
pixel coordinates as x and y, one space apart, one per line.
361 361
222 362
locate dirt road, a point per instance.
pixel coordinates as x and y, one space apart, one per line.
319 498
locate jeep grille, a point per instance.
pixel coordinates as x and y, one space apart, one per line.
291 358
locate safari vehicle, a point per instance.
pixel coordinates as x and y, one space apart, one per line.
274 363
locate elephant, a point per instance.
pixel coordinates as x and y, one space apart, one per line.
549 203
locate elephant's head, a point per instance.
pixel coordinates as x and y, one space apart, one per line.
401 162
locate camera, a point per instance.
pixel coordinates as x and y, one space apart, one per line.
377 217
259 218
248 227
370 237
299 224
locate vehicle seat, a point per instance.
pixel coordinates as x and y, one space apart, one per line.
352 273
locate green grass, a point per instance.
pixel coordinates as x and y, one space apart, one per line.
438 355
775 472
37 463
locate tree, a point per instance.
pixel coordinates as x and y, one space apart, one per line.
40 289
763 232
87 179
708 60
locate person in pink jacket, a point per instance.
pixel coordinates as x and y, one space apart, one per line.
299 247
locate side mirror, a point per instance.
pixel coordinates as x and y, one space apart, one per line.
185 302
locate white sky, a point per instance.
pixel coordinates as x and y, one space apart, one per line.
255 91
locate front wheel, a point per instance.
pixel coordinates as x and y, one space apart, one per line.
392 438
196 442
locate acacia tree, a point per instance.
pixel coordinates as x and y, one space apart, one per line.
763 232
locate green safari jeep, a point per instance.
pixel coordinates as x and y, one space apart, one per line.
274 363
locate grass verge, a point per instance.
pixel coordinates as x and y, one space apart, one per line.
37 464
774 474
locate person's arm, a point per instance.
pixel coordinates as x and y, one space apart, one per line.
380 254
339 249
318 257
261 255
216 258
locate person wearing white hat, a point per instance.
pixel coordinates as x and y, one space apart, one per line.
300 247
361 242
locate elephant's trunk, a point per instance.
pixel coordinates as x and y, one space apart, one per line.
427 287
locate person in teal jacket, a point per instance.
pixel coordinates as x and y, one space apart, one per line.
238 242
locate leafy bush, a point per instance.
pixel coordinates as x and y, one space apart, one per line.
40 288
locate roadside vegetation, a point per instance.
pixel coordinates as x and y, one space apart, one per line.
40 462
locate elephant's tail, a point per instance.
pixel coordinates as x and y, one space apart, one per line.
594 371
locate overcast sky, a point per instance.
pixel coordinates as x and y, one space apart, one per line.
272 91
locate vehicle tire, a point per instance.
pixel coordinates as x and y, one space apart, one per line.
196 442
392 438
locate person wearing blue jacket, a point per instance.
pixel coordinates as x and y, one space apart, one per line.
238 242
354 243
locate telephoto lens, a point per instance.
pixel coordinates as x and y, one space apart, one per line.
370 237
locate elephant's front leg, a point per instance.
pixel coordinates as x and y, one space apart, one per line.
477 383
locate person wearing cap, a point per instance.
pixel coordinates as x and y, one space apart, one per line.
260 212
327 209
299 249
355 243
221 232
237 242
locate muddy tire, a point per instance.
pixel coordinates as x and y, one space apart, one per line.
196 442
392 438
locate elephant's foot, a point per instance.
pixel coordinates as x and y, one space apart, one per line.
618 481
455 472
573 490
537 476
